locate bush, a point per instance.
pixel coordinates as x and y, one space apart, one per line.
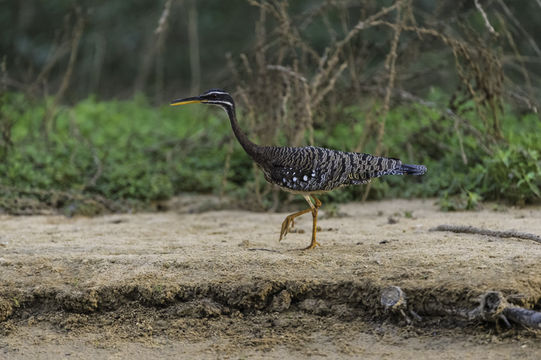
116 149
129 150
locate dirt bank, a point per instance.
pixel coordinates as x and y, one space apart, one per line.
219 284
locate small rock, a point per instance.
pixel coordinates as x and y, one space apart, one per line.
204 308
118 221
315 306
281 302
244 243
342 310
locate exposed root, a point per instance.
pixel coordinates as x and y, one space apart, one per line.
492 307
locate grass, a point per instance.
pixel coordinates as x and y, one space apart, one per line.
129 151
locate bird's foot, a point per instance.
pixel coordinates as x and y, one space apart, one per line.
289 222
312 245
287 225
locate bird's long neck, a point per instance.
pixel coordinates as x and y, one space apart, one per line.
248 146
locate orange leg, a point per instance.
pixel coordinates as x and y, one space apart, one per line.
290 220
314 209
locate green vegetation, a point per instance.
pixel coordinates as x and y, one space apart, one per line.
446 84
117 149
130 151
463 168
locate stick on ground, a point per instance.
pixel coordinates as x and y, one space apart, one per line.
495 233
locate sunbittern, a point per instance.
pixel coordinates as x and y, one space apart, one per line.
306 170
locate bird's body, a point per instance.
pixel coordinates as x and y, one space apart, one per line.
309 170
316 170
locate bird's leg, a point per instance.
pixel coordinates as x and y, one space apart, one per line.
318 203
289 220
314 209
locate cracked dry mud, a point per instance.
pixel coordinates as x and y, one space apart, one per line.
218 284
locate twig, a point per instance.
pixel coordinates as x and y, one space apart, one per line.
52 59
460 142
518 57
99 169
263 249
485 17
289 71
515 22
322 92
478 231
77 33
327 63
162 23
390 63
523 99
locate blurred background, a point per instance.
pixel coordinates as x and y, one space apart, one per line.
85 125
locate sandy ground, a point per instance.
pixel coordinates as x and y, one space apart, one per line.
218 284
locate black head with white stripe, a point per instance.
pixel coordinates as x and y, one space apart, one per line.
212 96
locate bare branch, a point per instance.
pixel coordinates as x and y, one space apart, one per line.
515 22
485 17
162 23
327 63
288 71
77 33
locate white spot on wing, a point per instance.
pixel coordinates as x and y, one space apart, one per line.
305 178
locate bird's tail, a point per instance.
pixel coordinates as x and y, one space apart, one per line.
375 166
403 169
407 169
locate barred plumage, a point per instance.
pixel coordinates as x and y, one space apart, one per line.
316 170
306 170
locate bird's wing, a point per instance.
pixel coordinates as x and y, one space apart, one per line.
315 169
296 168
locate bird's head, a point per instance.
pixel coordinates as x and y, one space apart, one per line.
212 96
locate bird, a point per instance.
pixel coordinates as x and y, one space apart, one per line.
309 170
